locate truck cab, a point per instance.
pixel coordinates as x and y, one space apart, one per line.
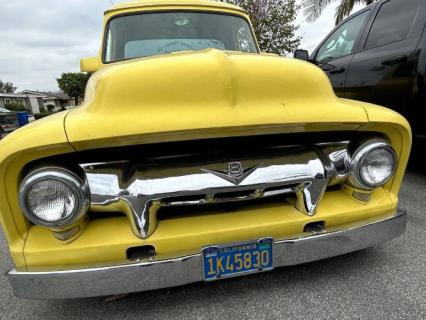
154 32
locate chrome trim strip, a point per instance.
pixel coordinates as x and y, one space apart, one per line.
150 275
140 190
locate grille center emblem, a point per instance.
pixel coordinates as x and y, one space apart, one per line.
235 169
235 173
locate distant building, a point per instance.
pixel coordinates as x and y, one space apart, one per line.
34 101
59 100
31 102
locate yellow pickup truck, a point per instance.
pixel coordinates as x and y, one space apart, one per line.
195 157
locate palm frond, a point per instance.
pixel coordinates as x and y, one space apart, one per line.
346 6
312 9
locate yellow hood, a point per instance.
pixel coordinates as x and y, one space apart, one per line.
204 91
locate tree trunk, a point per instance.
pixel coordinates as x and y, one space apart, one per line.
76 101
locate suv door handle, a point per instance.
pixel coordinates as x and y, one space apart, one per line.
394 60
332 69
337 70
327 67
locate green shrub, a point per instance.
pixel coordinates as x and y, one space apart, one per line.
17 107
41 115
50 107
43 109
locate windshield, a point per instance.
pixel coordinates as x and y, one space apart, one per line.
150 34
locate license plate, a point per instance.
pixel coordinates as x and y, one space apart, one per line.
237 259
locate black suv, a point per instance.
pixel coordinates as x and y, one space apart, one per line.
378 55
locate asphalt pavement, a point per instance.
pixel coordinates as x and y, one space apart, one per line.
387 281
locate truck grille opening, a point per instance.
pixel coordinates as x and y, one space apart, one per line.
315 227
156 181
172 212
140 253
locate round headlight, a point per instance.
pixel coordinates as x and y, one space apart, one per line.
372 165
54 197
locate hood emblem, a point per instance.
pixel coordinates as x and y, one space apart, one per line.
235 173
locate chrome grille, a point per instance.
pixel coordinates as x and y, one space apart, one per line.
140 190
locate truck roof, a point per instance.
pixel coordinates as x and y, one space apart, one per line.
161 3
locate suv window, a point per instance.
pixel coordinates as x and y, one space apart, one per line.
342 41
393 22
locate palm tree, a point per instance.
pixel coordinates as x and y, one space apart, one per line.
313 8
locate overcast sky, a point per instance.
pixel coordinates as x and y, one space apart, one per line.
41 39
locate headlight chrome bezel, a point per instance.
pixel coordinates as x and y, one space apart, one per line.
78 186
360 154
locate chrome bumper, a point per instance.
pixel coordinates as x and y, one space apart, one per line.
146 276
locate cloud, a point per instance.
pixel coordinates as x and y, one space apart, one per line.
42 39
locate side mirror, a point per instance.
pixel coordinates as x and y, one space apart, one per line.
89 64
301 54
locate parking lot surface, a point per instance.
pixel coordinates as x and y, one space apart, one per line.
387 281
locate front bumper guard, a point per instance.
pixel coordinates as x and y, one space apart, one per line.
178 271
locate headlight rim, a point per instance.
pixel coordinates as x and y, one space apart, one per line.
355 176
78 186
